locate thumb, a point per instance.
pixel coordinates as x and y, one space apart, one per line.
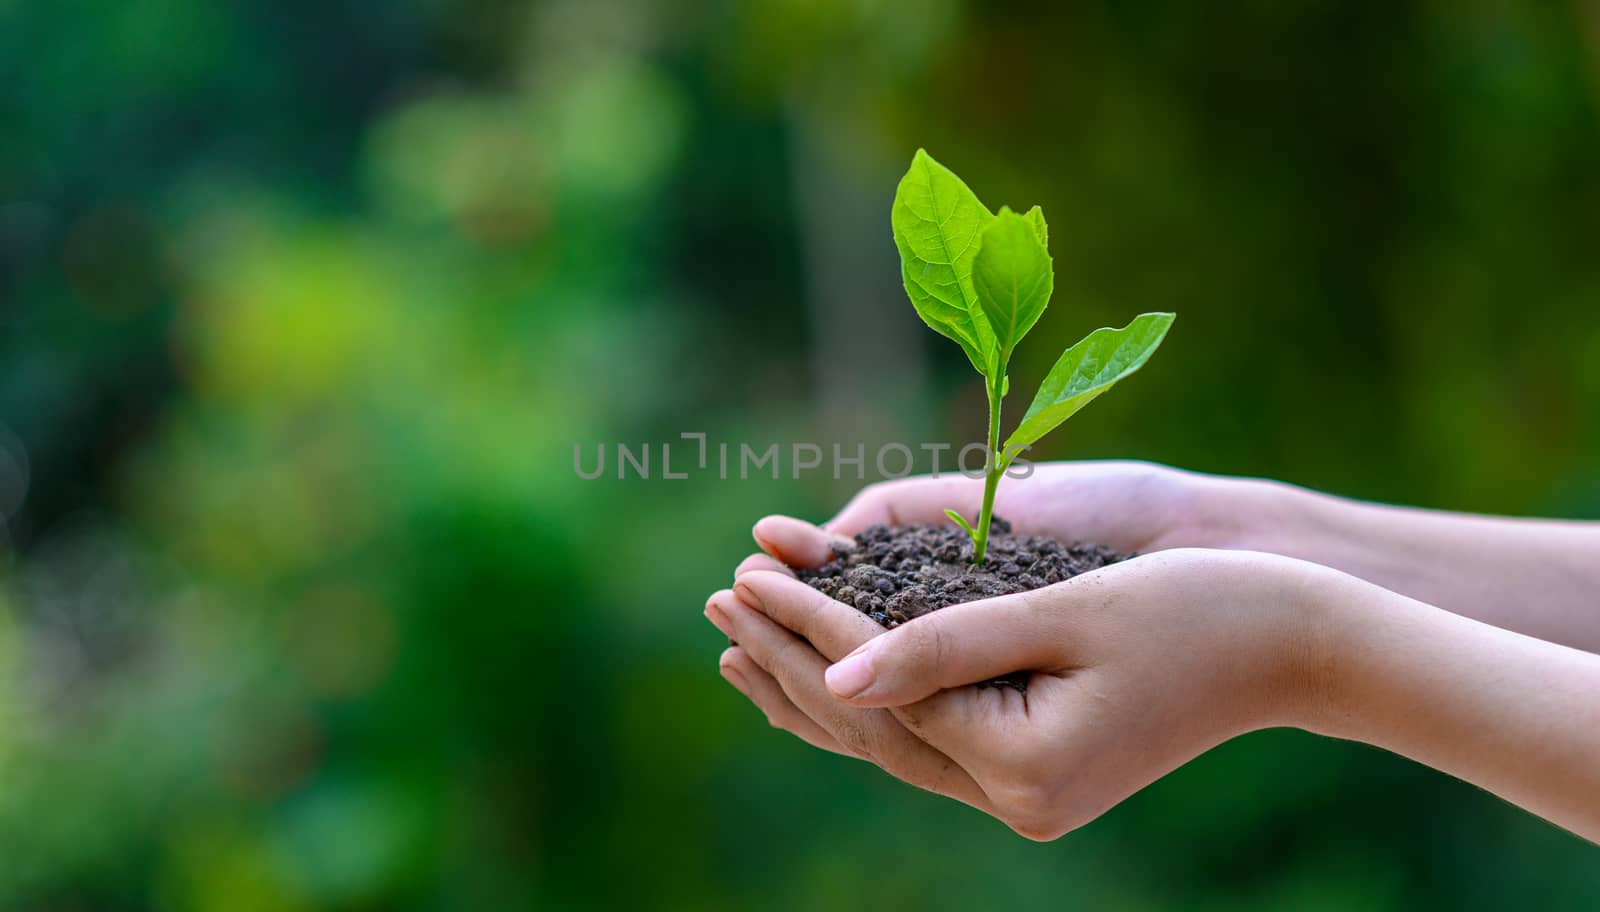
954 646
906 501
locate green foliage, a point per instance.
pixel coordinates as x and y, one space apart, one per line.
961 521
984 280
1013 277
1086 370
937 222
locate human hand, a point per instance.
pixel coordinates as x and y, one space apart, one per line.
1125 505
1136 668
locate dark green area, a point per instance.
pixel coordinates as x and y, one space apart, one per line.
303 307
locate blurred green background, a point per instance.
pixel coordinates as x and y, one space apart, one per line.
303 307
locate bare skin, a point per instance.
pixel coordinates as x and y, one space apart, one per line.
1141 666
1535 576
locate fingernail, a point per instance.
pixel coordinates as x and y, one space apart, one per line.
748 596
736 679
719 620
762 536
852 675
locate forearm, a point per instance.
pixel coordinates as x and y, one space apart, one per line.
1537 577
1515 715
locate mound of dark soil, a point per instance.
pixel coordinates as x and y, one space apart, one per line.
895 574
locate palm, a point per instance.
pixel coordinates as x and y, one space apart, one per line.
1129 506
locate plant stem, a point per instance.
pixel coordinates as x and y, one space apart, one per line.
994 468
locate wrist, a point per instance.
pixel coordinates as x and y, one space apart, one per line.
1294 647
1288 650
1248 514
1257 514
1342 653
1319 652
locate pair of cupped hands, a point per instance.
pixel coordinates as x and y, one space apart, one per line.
1136 667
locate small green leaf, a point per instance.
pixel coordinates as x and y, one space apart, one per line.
962 523
1086 370
936 220
1013 277
1035 217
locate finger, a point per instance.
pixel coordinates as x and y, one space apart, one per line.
762 561
875 734
763 690
796 542
950 720
750 680
958 645
909 500
834 628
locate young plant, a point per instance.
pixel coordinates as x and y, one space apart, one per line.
982 280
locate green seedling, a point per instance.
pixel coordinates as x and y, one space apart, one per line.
982 280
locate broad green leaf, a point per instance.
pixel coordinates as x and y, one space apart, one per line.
953 324
962 522
1013 277
1086 370
936 220
1035 217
